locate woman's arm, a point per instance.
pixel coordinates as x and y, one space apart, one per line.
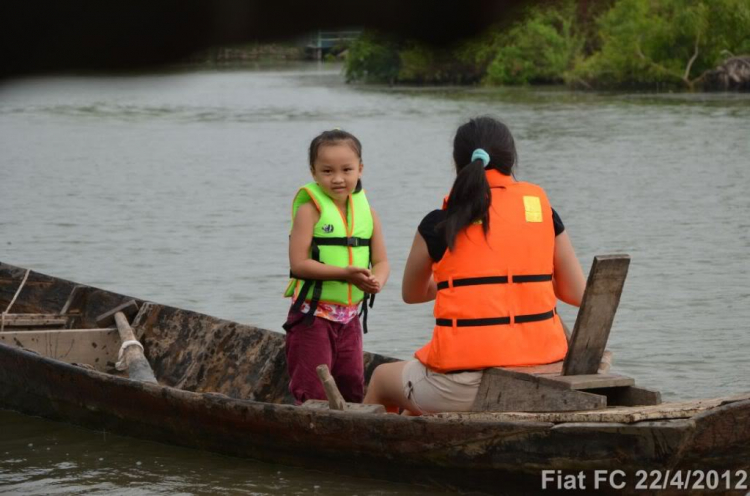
418 285
569 281
381 269
302 265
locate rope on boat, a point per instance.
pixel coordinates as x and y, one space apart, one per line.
2 317
121 365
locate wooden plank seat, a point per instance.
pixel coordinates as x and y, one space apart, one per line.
95 347
34 320
576 383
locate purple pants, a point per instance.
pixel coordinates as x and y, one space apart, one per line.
324 342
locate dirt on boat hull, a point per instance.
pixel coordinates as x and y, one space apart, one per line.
239 405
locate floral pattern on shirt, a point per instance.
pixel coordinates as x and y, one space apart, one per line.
332 311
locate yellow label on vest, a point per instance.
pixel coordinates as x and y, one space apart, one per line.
533 207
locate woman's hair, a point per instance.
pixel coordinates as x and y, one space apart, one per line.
333 137
470 198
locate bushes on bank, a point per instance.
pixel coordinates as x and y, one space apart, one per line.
641 43
372 58
375 58
540 50
671 42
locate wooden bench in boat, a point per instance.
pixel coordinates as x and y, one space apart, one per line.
53 334
110 345
575 383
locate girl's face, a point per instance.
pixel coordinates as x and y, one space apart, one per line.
337 169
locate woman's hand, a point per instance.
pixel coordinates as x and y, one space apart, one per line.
418 285
568 281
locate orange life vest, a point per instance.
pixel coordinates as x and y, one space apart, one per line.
495 303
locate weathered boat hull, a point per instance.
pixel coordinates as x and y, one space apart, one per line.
494 456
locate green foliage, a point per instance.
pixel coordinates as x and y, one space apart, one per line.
372 57
376 58
673 42
422 64
613 43
539 50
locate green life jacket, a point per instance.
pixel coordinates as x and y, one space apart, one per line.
335 242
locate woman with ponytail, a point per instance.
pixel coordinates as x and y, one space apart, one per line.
495 259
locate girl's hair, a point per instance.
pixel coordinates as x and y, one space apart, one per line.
333 137
470 198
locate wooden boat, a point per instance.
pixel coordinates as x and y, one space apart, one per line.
222 386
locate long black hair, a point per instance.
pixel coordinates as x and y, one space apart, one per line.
470 197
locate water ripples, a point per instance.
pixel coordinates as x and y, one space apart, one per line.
177 189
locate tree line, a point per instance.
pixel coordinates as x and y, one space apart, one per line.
643 44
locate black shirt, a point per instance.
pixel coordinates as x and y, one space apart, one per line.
436 244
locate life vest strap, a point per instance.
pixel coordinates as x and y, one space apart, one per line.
519 319
317 289
363 311
351 241
317 284
533 278
476 281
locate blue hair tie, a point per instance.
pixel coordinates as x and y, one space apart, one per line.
481 155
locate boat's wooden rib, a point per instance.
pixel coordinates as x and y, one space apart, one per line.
223 387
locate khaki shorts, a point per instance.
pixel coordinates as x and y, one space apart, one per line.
432 392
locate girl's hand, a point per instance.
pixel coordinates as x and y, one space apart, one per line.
356 275
372 285
362 278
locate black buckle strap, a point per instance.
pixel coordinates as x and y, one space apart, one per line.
519 319
363 310
318 284
473 281
473 322
534 317
533 278
476 281
351 241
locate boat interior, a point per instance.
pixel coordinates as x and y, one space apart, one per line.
187 350
190 351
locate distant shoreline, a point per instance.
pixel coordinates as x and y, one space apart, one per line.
276 52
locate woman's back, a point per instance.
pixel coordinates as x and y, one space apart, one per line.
495 260
495 302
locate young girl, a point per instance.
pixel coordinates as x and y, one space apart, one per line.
495 259
338 260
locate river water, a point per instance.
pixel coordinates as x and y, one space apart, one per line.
176 187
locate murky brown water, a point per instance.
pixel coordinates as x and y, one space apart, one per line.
176 188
